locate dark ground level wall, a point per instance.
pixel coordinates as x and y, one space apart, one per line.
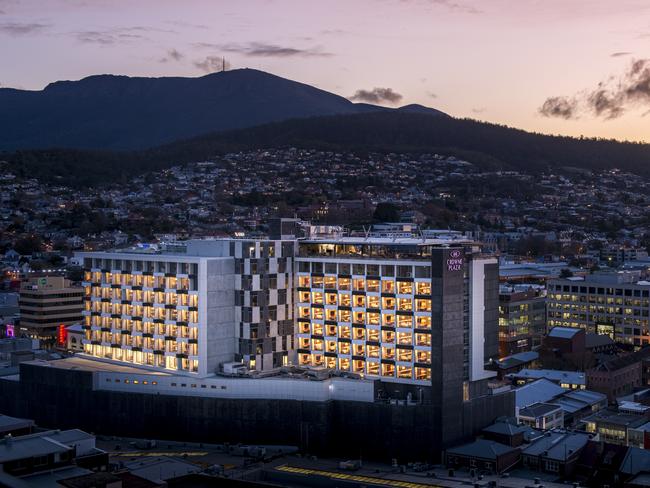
61 399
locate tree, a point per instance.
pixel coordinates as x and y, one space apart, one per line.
566 273
386 212
28 245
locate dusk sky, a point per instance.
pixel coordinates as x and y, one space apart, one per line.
576 67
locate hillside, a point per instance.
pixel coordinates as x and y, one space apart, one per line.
487 145
119 112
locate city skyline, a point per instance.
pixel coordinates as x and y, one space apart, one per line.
551 67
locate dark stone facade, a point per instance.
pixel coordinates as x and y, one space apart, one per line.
59 398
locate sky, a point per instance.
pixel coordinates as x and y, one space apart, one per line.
573 67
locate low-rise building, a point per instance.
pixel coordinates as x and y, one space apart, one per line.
613 426
574 380
544 416
483 455
555 452
618 376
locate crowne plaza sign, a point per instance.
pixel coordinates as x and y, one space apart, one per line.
455 260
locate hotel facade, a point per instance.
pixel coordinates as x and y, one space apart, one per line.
406 310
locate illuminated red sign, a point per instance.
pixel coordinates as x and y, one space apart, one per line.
62 336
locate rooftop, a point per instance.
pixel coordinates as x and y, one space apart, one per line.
538 391
557 376
557 445
482 449
538 410
564 332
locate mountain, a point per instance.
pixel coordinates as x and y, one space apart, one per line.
119 112
487 145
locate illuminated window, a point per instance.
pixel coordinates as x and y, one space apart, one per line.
358 366
344 331
404 338
373 302
423 357
359 317
423 374
344 364
344 348
405 355
344 300
405 321
388 370
359 333
303 296
345 316
317 282
330 282
404 287
405 372
405 304
388 319
422 305
423 339
388 353
304 281
387 336
317 344
359 284
317 329
373 351
344 284
317 313
372 318
317 297
359 300
373 335
372 368
330 298
423 288
388 303
372 285
388 286
423 322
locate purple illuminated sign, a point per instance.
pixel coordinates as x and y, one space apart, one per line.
455 260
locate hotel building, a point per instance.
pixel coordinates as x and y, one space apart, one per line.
415 311
615 304
408 310
190 307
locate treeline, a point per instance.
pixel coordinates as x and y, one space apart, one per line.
489 146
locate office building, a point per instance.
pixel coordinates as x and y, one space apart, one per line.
522 318
614 304
47 306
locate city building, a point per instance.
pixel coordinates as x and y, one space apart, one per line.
565 340
615 427
544 416
193 306
522 318
483 455
614 304
619 376
555 453
409 319
573 380
47 305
